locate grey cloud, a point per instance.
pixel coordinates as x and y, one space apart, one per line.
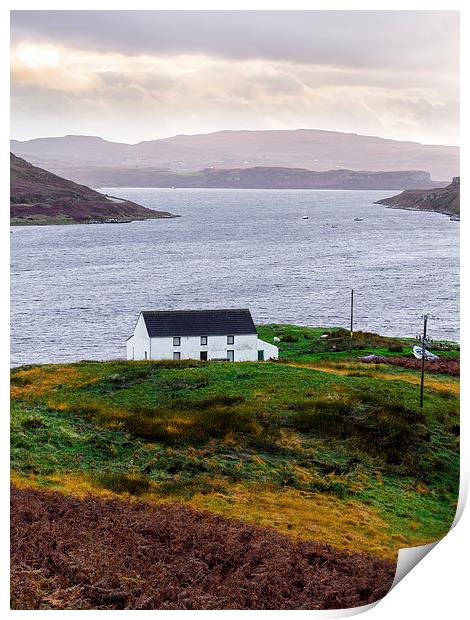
392 39
389 73
278 83
426 112
153 81
114 78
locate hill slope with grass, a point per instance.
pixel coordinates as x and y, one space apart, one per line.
318 447
40 197
442 200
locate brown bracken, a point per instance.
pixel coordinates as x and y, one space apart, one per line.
71 553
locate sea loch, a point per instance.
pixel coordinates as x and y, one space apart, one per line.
76 290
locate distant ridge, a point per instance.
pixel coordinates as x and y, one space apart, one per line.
311 149
260 177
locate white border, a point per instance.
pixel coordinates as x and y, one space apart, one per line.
438 586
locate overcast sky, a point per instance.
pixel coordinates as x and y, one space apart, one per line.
137 75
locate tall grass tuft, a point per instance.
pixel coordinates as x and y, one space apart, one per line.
121 482
194 421
390 431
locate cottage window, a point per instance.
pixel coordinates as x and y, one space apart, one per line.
203 340
176 355
230 339
176 341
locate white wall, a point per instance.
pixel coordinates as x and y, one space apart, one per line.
139 344
244 347
130 348
270 350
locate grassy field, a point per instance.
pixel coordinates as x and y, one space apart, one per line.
306 343
318 446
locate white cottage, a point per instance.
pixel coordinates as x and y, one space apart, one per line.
198 334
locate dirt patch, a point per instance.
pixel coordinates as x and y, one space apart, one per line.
70 553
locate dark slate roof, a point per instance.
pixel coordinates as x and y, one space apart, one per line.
162 323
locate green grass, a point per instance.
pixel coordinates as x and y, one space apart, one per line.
233 437
306 344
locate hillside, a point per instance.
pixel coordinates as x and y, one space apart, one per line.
253 178
40 197
442 200
310 149
321 456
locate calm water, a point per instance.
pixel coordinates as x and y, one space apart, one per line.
77 290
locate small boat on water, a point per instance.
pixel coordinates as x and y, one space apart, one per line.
358 219
418 353
305 217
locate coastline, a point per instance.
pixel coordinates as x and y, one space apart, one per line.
66 222
452 216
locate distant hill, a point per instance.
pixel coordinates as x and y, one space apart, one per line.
39 197
311 149
442 200
259 177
